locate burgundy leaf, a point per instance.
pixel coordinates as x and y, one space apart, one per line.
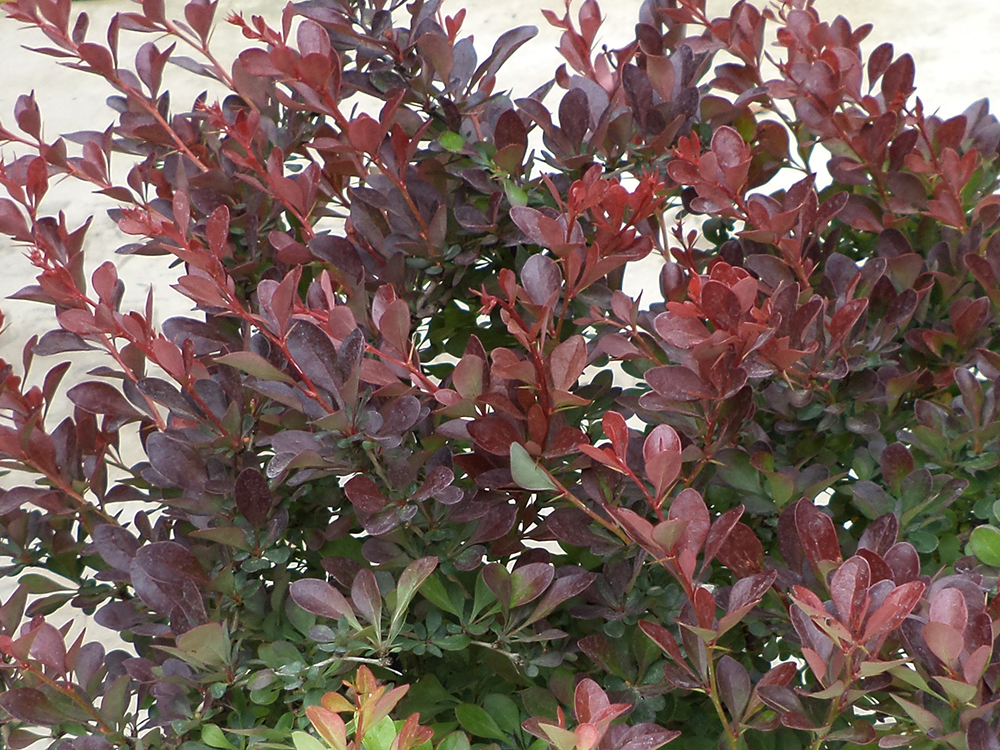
31 706
849 591
896 607
320 598
528 582
742 551
881 533
364 494
734 685
253 497
676 383
816 534
494 434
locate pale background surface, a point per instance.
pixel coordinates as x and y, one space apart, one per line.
956 53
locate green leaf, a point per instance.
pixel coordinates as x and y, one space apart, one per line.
436 593
213 736
527 474
455 741
410 580
504 712
380 736
452 141
475 720
208 644
516 195
985 544
256 365
38 584
231 536
304 741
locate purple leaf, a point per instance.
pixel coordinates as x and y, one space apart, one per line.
364 494
366 596
31 706
540 275
253 497
880 534
560 591
734 685
528 582
171 563
677 383
320 598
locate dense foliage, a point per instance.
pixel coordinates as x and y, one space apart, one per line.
417 454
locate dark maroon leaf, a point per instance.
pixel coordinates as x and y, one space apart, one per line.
720 305
574 116
881 533
31 706
540 276
364 494
903 561
494 434
561 590
115 545
57 342
816 534
979 736
742 553
320 598
170 562
510 131
497 579
498 520
101 398
734 685
528 582
849 591
676 383
253 497
366 596
177 461
719 534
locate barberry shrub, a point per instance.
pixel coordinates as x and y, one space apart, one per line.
417 454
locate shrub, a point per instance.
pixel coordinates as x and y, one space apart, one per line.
418 435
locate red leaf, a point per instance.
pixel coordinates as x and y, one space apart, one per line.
662 454
253 497
816 534
849 591
364 494
320 598
896 607
615 428
677 383
567 362
742 553
494 434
